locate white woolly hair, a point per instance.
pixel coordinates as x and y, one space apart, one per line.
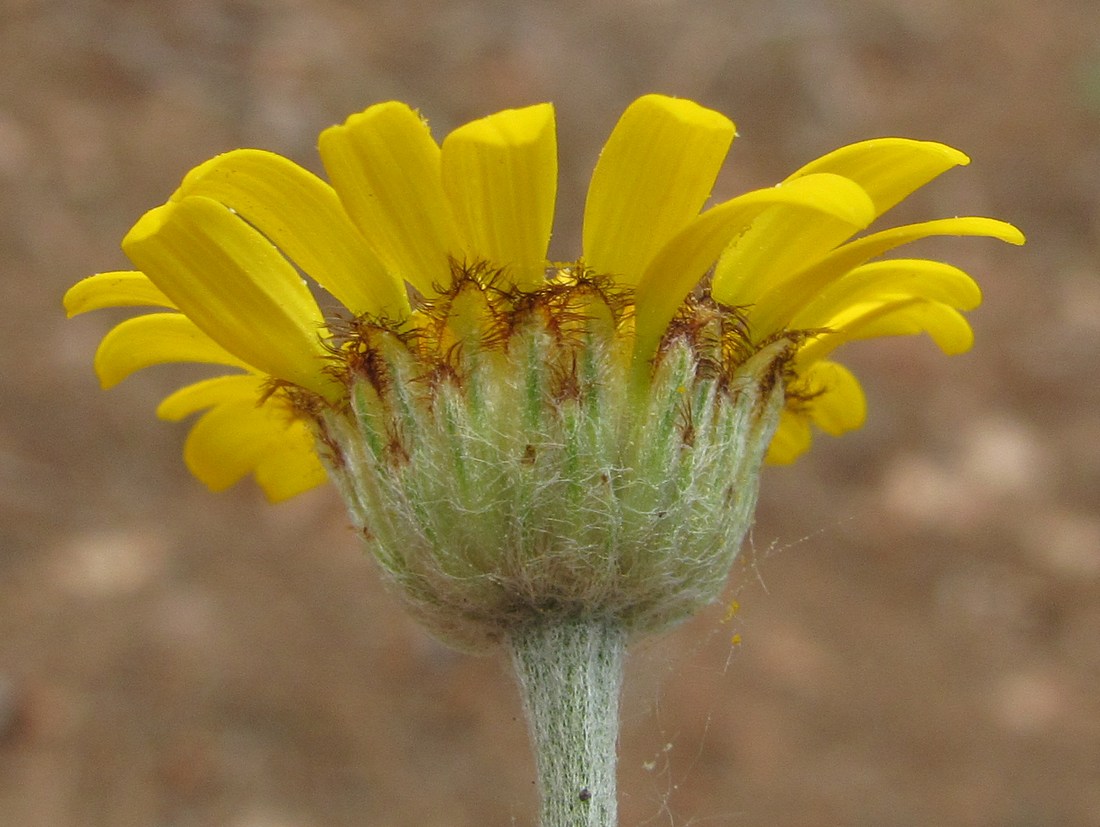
494 500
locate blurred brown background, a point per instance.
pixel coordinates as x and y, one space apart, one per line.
920 607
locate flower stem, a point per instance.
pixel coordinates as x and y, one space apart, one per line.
570 674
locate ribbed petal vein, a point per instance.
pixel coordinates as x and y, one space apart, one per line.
235 285
225 256
500 174
755 268
303 216
654 175
385 166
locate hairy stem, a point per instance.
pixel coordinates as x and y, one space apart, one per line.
570 674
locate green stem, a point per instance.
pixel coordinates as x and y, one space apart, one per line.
570 673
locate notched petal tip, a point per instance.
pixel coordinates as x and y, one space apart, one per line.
207 168
509 127
147 226
378 113
681 109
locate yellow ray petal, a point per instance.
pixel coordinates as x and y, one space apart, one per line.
764 257
228 442
889 169
836 403
654 175
292 466
901 317
946 326
385 165
677 268
120 288
781 304
240 437
156 339
236 287
891 279
500 174
864 249
303 216
792 438
831 398
779 244
210 392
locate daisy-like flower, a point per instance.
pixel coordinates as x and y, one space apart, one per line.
554 454
220 259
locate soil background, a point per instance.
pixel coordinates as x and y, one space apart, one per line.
920 603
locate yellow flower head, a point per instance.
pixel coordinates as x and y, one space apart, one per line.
405 217
519 436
